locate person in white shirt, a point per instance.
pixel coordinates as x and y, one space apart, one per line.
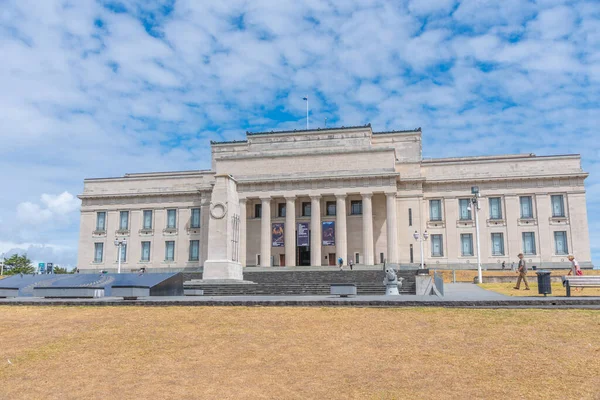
575 268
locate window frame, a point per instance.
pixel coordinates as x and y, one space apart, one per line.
195 210
501 235
144 213
123 253
330 204
440 216
566 244
174 210
306 208
530 204
193 242
121 213
167 243
101 245
149 251
441 238
462 247
534 247
281 210
461 202
103 213
500 214
562 205
359 205
257 210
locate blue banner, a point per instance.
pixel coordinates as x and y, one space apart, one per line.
328 233
303 239
277 234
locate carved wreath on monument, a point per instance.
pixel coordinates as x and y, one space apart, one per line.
218 210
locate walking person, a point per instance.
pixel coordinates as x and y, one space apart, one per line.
351 264
340 263
522 271
503 265
575 269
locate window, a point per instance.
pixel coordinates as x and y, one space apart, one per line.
258 259
410 217
101 221
306 209
437 246
435 210
529 243
558 205
145 251
195 219
560 242
466 244
356 207
412 255
497 244
98 252
171 219
281 209
123 253
356 258
465 212
526 207
124 221
331 208
194 250
495 208
381 258
169 250
258 211
147 219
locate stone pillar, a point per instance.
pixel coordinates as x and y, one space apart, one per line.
290 231
341 241
392 228
265 232
243 232
367 211
315 227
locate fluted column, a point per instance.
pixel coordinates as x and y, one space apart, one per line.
243 232
290 231
265 232
341 240
367 210
315 228
392 228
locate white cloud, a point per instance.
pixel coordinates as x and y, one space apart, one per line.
53 207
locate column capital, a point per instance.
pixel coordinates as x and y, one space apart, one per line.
243 200
265 198
290 198
341 196
391 193
367 195
315 197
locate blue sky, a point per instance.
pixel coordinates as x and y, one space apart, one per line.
101 88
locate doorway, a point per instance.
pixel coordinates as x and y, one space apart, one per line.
282 260
331 259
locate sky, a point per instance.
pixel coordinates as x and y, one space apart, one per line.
102 88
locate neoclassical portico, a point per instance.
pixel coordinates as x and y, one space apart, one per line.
321 208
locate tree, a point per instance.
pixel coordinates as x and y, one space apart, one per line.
17 264
60 270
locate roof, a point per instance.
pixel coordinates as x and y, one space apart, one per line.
400 131
308 130
228 141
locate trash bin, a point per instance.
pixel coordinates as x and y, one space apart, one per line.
543 278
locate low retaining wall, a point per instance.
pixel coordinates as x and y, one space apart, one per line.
513 279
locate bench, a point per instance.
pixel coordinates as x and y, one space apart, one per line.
68 292
130 292
343 289
580 281
6 292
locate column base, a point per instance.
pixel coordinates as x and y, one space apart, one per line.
222 269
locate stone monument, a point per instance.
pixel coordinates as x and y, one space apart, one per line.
392 282
223 262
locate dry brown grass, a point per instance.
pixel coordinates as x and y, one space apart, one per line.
296 353
469 275
557 289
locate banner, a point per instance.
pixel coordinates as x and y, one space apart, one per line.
277 234
303 239
328 233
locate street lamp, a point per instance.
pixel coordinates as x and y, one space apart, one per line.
421 239
2 270
476 206
120 243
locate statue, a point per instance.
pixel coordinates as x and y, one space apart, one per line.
392 282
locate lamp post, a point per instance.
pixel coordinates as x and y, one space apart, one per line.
120 244
421 238
476 206
2 270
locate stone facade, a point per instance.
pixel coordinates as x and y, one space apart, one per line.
373 189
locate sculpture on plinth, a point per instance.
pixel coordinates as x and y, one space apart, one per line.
392 282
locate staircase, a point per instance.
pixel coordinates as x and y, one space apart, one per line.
298 282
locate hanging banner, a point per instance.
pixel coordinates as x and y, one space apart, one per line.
277 234
303 238
328 233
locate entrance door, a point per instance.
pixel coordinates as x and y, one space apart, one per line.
332 259
282 260
303 256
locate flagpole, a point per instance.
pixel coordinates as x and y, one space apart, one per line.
306 98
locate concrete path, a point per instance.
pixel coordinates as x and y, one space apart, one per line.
456 295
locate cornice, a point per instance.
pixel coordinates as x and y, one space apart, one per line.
506 178
308 178
145 194
304 153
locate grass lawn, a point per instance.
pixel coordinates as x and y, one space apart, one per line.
297 353
557 289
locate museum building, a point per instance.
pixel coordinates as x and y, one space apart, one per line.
308 197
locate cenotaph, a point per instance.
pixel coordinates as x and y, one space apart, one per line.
223 262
